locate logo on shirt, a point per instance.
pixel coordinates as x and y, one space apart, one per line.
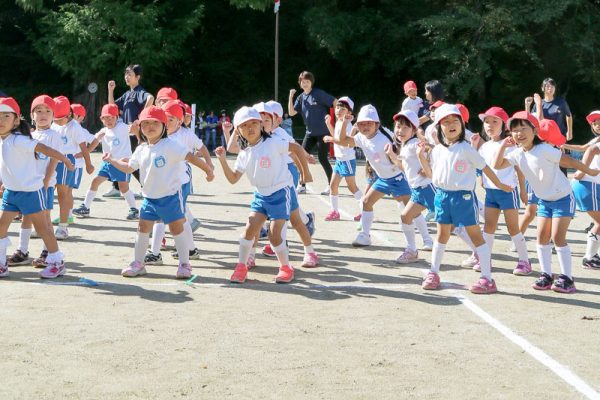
264 162
160 162
461 166
116 142
376 157
467 196
41 156
64 139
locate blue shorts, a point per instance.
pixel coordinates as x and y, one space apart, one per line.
424 196
496 198
396 186
345 168
63 175
168 208
278 205
25 202
50 198
587 195
110 172
186 190
77 174
295 173
456 207
564 207
371 178
531 197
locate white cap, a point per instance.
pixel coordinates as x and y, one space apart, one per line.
347 100
245 114
275 107
410 115
444 110
263 107
367 113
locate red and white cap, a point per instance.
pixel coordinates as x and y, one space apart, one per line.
367 113
45 100
464 112
437 104
348 101
445 110
276 108
410 116
592 117
8 104
263 107
153 113
109 110
550 132
408 85
497 112
173 108
245 114
167 93
524 115
62 108
79 109
186 107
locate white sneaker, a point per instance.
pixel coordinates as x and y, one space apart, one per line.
301 189
427 246
61 233
325 192
112 193
362 240
471 261
35 235
513 248
408 257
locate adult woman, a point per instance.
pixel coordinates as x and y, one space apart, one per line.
434 91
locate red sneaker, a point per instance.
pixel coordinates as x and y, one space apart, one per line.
285 275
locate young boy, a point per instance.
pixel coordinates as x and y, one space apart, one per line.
412 101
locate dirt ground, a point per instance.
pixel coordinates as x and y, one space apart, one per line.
357 327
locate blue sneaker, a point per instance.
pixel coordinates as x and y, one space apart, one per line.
310 225
264 232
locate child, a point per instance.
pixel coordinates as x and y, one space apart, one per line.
412 102
540 163
159 161
25 179
453 172
115 140
263 159
345 159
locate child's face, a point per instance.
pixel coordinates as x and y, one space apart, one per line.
109 121
412 93
152 130
42 116
131 79
173 124
451 128
596 127
8 122
250 130
276 120
267 121
403 131
78 118
492 126
187 119
340 111
523 134
368 128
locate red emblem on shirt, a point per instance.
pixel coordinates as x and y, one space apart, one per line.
264 162
460 166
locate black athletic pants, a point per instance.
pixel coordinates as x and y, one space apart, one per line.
323 151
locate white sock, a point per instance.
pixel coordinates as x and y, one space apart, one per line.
89 197
71 213
182 244
521 246
188 214
54 257
591 248
187 231
545 257
461 232
489 239
309 249
282 253
436 256
24 235
158 233
564 260
334 202
4 243
485 260
129 198
141 244
303 215
421 225
358 195
366 221
252 253
245 248
400 206
409 234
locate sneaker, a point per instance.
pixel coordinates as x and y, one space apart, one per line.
112 193
138 195
544 282
268 251
82 212
484 286
285 274
35 234
251 263
264 232
513 248
564 284
477 267
53 270
163 244
56 221
40 262
133 214
136 268
311 260
407 257
429 216
18 258
301 189
471 261
362 240
427 246
332 216
523 268
61 233
3 271
18 218
195 224
431 281
153 259
589 228
325 191
357 217
592 263
184 271
239 274
194 254
310 225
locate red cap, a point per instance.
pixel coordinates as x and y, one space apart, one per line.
45 100
464 112
592 117
109 110
153 113
436 104
497 112
550 132
8 104
524 115
167 93
408 85
78 109
187 108
63 107
173 108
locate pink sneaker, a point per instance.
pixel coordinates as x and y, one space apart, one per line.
239 274
251 263
431 281
332 216
53 270
407 257
484 286
523 268
357 217
3 271
311 260
184 271
268 251
285 275
136 268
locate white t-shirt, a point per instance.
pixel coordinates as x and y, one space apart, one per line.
88 138
160 167
414 105
116 140
411 164
187 139
454 167
374 152
281 134
508 176
51 139
595 164
265 165
18 166
70 135
343 153
540 165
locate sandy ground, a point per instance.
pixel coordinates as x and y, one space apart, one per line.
357 327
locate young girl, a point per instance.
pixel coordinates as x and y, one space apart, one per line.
115 140
540 163
159 161
453 171
345 159
263 159
24 182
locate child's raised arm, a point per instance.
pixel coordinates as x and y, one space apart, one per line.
118 164
231 175
500 162
568 162
343 140
50 152
299 154
422 150
200 163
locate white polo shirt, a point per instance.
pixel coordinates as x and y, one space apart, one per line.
18 166
508 176
595 164
414 105
374 152
187 139
411 164
87 138
116 140
343 153
51 139
454 167
281 134
70 135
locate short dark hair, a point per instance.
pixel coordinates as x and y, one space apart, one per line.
436 89
548 81
523 122
135 68
307 75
